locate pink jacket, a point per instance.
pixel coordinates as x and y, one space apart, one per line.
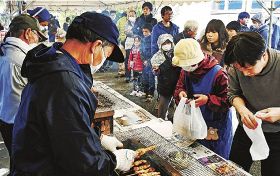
135 57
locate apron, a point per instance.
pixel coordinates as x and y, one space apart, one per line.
217 120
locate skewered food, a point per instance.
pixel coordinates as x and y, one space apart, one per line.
139 162
142 151
145 171
150 174
142 167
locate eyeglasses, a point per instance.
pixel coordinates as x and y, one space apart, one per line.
36 33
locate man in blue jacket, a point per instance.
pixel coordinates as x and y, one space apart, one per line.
163 27
243 19
52 131
145 18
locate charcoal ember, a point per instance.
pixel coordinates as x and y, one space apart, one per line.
117 100
104 102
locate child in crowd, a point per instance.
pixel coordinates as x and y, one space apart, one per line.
135 66
215 39
148 80
233 28
166 73
205 81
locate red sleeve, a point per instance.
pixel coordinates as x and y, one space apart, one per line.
180 86
218 99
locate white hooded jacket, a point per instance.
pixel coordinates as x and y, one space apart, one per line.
12 83
158 58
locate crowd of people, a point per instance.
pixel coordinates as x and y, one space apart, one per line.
47 102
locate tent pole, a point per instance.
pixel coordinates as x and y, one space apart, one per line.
270 24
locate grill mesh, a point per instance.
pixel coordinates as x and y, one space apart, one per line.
110 100
176 157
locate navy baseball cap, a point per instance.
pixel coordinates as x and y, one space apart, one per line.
40 12
103 26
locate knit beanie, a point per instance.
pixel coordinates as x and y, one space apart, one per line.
259 18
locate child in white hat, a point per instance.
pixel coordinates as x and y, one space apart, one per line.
204 80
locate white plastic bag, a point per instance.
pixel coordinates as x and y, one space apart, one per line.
188 121
259 149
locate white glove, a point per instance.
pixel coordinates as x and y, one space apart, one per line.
125 159
110 143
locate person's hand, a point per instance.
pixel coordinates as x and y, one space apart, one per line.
182 94
131 64
270 114
125 159
155 68
200 99
110 143
248 118
94 90
146 63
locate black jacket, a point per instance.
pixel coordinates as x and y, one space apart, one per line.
52 132
168 76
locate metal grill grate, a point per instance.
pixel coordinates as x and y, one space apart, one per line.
176 157
110 100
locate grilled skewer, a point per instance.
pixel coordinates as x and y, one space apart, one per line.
139 162
150 174
145 166
145 171
142 151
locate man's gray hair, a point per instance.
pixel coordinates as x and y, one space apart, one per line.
191 25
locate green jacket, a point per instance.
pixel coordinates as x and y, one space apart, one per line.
121 27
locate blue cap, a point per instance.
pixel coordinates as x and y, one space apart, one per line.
103 26
43 15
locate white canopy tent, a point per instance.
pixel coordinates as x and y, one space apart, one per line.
65 8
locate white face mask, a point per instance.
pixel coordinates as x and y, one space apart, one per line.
190 68
132 19
43 28
166 47
256 26
95 68
113 17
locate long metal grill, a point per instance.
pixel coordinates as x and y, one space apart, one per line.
177 158
110 100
